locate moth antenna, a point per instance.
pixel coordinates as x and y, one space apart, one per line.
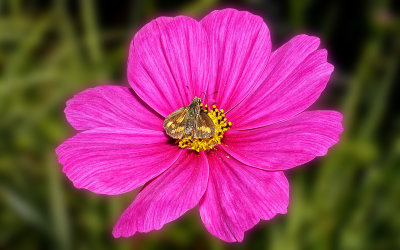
188 90
214 92
211 94
202 94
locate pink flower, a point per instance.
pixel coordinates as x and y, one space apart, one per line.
240 180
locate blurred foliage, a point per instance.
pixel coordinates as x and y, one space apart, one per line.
50 50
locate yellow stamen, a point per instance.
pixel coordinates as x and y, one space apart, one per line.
221 125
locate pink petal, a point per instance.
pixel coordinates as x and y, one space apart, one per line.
286 144
296 75
114 161
110 106
238 196
169 63
241 47
167 197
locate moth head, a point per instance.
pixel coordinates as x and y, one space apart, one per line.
196 100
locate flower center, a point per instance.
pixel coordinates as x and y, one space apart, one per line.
221 125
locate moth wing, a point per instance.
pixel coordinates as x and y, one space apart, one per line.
204 126
174 124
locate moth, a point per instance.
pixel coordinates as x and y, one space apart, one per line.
189 121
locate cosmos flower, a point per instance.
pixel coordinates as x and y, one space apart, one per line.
256 99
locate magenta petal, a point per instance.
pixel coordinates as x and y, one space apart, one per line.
110 106
296 75
241 47
114 161
238 196
286 144
169 63
167 197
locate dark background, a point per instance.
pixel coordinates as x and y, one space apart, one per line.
50 50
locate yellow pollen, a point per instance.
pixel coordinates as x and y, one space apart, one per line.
221 125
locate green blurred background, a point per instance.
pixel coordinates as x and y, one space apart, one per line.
50 50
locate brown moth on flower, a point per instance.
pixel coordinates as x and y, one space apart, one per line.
190 122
